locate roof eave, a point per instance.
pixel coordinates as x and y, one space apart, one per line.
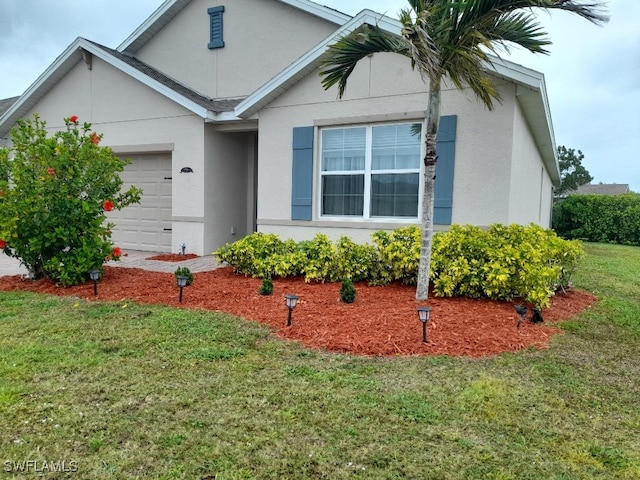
170 8
65 62
309 62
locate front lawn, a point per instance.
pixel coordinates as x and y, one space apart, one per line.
119 390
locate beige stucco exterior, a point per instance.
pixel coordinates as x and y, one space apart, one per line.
385 89
241 158
261 37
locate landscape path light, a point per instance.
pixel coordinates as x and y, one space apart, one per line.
182 282
291 301
94 275
423 315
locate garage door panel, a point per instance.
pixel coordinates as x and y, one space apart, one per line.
142 226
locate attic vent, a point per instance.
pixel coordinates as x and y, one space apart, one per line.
215 16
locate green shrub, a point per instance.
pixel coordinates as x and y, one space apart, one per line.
502 263
347 291
599 218
258 254
185 272
267 287
54 192
399 255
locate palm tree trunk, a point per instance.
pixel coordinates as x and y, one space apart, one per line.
430 159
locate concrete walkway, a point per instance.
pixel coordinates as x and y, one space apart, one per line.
129 259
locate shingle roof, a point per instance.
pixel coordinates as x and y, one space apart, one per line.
5 104
211 104
601 189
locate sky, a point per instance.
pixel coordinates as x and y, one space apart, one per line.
592 74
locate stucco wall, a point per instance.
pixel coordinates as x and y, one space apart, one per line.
530 185
135 119
228 204
384 88
261 37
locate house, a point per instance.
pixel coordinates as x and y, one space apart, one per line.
219 106
601 189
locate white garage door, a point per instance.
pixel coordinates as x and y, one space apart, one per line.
147 225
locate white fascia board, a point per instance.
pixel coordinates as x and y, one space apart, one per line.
60 66
149 23
146 80
65 62
320 11
279 84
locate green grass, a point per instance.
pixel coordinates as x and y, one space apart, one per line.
160 393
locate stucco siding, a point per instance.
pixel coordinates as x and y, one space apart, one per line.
135 119
261 38
530 184
483 144
228 163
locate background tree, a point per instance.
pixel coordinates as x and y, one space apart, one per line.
449 39
572 172
54 192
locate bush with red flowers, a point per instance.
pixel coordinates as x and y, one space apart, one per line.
55 192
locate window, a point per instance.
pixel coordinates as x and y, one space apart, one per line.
371 171
215 19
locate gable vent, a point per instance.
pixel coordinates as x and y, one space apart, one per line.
215 16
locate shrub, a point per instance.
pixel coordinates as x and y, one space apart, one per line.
54 192
502 263
185 272
599 218
267 287
399 255
347 291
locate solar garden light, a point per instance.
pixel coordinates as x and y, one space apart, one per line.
94 275
423 314
291 301
182 282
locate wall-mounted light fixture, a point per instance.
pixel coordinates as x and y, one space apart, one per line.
186 170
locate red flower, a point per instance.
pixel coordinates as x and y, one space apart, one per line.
95 138
73 119
107 205
116 252
51 171
2 244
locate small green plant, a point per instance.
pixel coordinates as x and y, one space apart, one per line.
185 272
347 291
267 287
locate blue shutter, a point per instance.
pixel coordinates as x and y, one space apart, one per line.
446 151
302 174
215 16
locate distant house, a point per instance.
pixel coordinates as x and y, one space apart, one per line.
601 189
221 110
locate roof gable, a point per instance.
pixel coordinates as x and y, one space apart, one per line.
601 189
532 93
170 8
82 50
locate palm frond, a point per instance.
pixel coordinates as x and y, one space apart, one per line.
341 58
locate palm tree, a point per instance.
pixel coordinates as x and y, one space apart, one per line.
449 39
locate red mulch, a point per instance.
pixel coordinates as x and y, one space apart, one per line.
382 320
173 257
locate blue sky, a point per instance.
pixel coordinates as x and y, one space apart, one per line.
592 74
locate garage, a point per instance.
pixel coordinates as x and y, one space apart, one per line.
147 225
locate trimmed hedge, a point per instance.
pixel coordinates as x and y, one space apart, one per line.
503 263
599 218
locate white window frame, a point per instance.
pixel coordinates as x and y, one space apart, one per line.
367 172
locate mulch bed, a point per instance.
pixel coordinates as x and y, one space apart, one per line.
382 320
